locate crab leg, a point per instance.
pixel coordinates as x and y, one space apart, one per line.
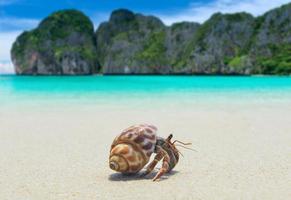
165 167
158 157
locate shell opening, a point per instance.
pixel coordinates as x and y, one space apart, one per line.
117 163
113 165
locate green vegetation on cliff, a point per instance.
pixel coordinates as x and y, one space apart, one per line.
154 49
279 62
64 38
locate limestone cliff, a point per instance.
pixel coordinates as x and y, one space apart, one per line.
133 43
62 44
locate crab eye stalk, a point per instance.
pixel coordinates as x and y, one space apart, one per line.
169 137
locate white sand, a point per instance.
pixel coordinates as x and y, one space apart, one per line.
244 152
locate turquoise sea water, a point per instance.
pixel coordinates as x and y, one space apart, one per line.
128 89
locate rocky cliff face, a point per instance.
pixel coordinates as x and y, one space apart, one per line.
217 42
270 46
224 44
177 40
136 44
131 43
62 44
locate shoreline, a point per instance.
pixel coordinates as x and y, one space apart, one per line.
165 75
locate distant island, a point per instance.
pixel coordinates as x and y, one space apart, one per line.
65 43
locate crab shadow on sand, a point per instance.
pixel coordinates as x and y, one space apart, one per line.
139 176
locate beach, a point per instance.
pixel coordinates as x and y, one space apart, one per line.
242 152
60 151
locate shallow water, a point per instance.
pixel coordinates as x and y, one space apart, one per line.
142 89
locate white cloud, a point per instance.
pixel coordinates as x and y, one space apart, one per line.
6 41
10 28
6 67
201 12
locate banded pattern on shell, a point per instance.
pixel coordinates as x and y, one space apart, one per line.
131 150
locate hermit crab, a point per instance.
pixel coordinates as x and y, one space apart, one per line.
131 151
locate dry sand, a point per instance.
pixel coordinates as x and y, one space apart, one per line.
55 152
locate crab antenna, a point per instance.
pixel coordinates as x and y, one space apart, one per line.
189 143
186 147
180 153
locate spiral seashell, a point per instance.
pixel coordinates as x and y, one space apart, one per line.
131 150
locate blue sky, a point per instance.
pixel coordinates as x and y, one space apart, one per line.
27 12
38 9
19 15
